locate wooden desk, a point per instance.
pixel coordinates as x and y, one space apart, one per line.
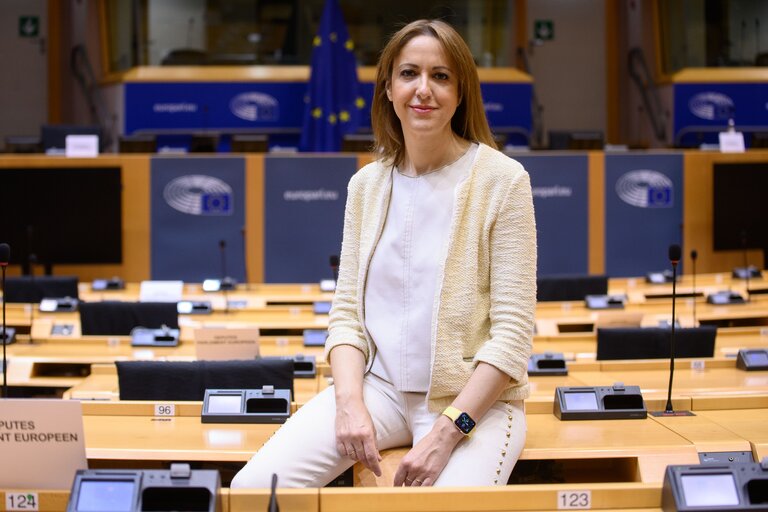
257 295
706 434
637 496
750 424
128 431
584 451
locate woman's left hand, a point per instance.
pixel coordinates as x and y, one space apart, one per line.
425 461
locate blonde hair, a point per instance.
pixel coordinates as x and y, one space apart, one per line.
468 122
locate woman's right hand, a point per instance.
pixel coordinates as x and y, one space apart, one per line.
356 434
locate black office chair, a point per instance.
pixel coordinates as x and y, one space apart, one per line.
28 289
654 343
357 143
140 143
570 287
188 380
111 318
249 143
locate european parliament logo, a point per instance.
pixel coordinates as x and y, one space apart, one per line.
711 106
645 188
255 106
199 194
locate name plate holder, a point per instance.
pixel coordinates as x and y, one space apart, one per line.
219 285
548 363
605 301
752 359
725 298
10 336
58 305
663 277
177 488
115 283
750 272
327 285
617 402
732 487
163 337
194 307
265 405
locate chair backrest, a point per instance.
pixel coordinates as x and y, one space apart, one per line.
188 380
118 318
29 289
654 343
570 287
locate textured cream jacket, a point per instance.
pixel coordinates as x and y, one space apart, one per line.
484 307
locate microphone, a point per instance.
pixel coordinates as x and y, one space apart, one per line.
273 507
694 255
5 258
335 267
674 258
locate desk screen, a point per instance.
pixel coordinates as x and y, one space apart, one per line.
105 496
225 404
580 401
709 490
757 358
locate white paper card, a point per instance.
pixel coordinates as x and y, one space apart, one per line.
161 291
44 439
226 344
81 145
731 142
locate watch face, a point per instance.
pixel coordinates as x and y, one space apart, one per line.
465 423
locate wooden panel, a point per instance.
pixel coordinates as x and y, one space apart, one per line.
525 497
136 211
596 212
293 500
698 211
279 74
254 217
721 75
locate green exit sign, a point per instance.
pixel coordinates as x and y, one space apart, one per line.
29 26
544 30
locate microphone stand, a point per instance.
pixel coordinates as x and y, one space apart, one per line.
668 409
5 341
273 507
674 259
32 261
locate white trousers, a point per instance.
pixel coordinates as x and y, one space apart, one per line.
303 451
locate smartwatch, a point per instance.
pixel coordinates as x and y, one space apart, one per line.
462 420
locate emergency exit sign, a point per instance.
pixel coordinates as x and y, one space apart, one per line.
29 26
544 30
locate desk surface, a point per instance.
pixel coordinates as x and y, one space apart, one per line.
130 431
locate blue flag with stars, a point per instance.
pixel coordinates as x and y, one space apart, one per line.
332 101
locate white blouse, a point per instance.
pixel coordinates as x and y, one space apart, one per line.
403 274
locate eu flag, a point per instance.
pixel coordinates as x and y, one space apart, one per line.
333 102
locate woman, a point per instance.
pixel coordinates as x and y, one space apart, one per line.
431 326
